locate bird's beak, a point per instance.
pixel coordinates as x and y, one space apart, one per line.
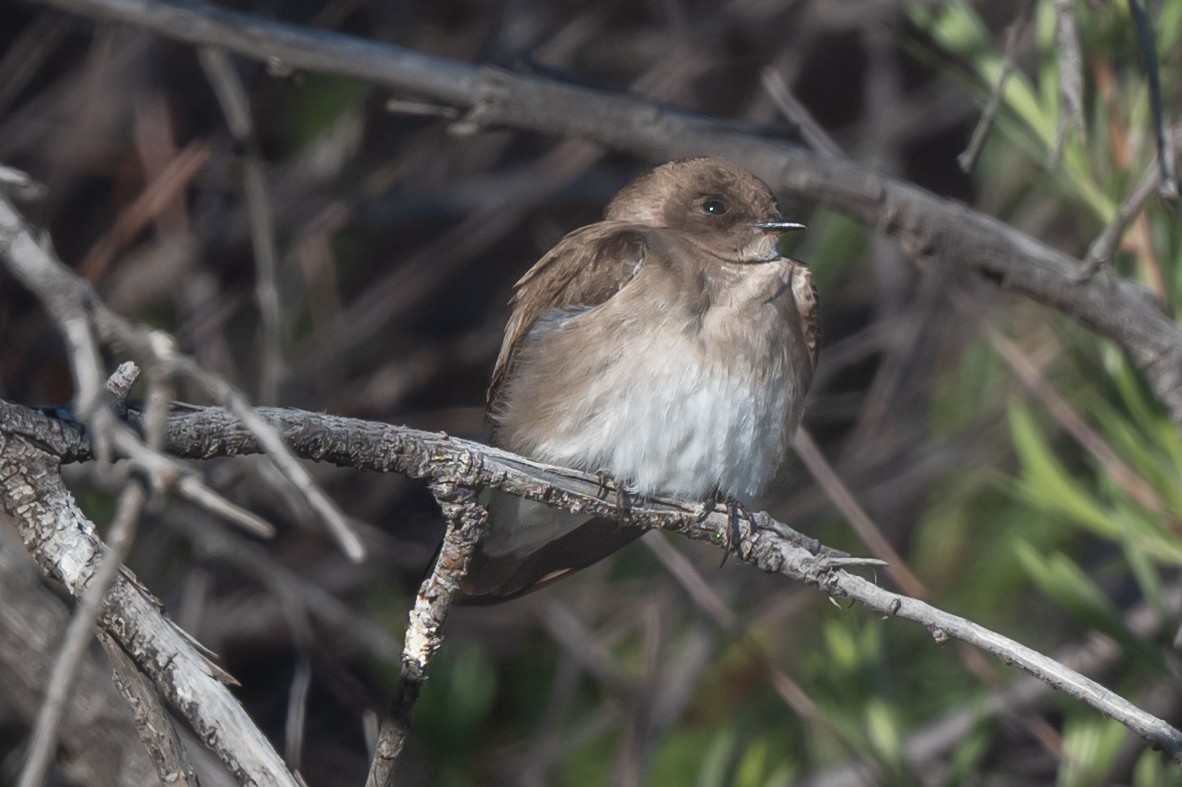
780 226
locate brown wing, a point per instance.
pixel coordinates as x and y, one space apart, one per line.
586 268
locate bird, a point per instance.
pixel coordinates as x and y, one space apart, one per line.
670 346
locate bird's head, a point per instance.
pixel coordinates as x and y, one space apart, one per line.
721 207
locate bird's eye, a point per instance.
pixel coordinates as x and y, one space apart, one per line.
714 206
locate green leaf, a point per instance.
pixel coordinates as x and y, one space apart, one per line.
1090 746
1046 483
884 730
1063 580
1151 771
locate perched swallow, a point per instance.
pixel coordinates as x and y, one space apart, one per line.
669 346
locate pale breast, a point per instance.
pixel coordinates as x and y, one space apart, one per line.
671 394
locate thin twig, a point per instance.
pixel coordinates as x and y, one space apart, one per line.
840 495
968 159
231 94
1070 79
20 185
173 178
1104 247
1167 160
810 130
1114 467
74 306
297 712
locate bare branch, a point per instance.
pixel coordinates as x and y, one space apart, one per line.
968 159
954 233
20 185
231 94
810 130
451 465
98 742
65 546
1167 157
43 741
155 727
465 523
1070 78
1104 247
75 307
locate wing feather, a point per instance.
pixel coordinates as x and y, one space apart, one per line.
585 269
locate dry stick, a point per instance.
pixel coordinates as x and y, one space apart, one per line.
75 307
81 627
465 519
20 185
840 495
231 94
66 548
1103 248
1167 159
174 178
43 739
810 130
968 159
152 721
1070 79
297 712
456 466
1124 476
954 233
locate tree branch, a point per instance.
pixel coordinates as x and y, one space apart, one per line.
768 544
465 523
953 233
65 546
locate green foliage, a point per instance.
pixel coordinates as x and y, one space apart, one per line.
1083 533
456 704
314 103
1091 744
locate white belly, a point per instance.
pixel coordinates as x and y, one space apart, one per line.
685 423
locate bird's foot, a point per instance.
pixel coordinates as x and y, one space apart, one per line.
606 484
733 537
601 478
623 499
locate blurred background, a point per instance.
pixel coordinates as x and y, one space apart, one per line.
1017 464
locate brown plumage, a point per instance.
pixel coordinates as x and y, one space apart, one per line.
670 346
